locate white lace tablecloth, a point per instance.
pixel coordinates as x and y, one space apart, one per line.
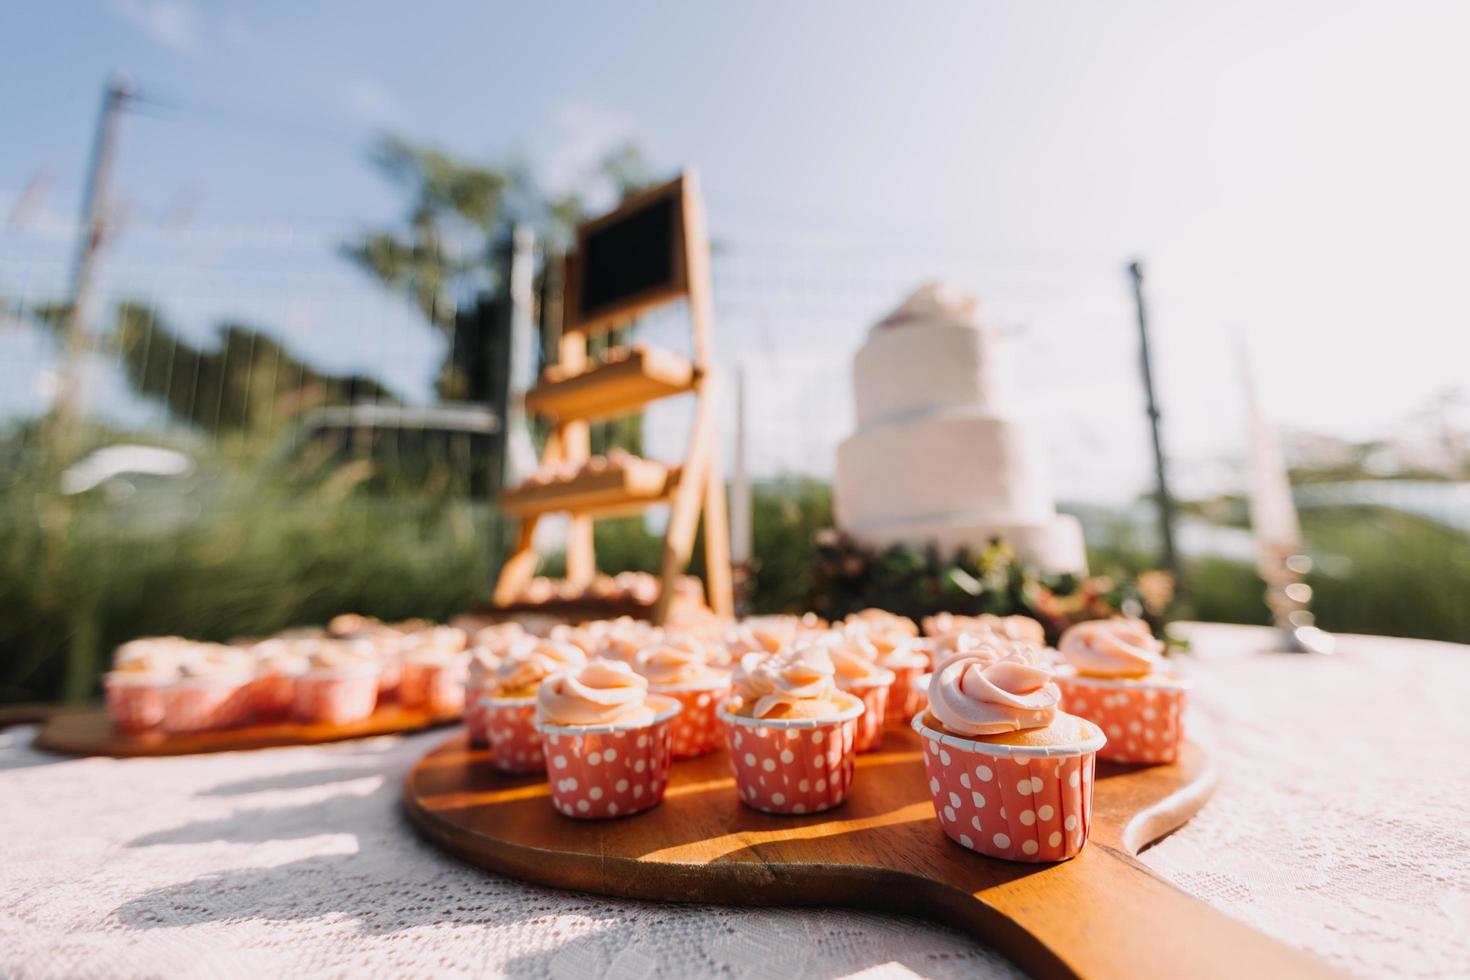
1342 825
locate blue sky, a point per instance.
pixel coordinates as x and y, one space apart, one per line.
1293 174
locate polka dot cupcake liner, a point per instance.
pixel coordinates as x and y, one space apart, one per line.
1143 722
1019 803
696 730
438 688
791 766
909 694
874 695
510 731
337 697
205 706
477 715
133 706
602 771
391 676
272 696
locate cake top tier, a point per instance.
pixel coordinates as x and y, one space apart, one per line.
930 356
931 303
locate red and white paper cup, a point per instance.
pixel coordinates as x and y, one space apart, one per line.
134 704
510 731
1017 802
874 693
909 694
437 686
696 730
1143 720
392 673
793 765
602 771
338 695
206 704
477 714
272 695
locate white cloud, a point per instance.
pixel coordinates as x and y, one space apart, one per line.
175 24
370 101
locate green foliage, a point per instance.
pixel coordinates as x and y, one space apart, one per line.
786 518
912 582
623 544
249 383
1381 571
443 250
258 554
1377 571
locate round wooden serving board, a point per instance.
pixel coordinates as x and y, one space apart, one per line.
1102 914
90 733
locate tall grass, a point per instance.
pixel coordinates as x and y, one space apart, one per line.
1376 571
257 556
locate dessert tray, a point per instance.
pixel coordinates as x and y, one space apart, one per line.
1102 914
92 733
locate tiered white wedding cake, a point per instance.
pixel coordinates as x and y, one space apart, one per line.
935 458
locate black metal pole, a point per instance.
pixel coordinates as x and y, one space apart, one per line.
1165 499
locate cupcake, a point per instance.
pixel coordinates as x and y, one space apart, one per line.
349 625
1010 773
479 682
680 669
790 732
434 670
989 647
608 742
626 644
773 634
882 621
1113 675
378 639
909 661
210 692
339 686
510 707
278 664
856 671
499 637
1022 628
142 671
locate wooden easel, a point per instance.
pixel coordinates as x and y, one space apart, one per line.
582 395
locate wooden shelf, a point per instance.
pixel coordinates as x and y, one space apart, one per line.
614 389
625 490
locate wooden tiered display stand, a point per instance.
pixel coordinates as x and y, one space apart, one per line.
580 393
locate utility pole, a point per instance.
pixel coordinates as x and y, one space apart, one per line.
96 205
1164 498
59 434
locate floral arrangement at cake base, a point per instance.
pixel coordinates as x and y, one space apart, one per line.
848 577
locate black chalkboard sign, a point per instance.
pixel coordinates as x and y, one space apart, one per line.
630 259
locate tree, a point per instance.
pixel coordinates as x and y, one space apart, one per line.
248 384
443 255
